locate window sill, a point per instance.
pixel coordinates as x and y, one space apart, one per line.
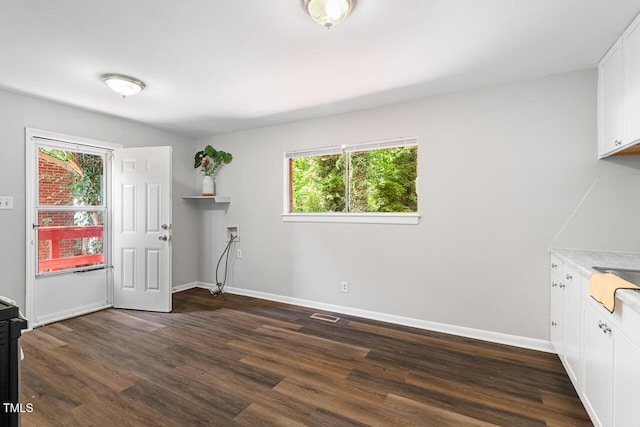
354 218
214 199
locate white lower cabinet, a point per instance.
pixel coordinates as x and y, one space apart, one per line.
626 381
598 367
564 328
599 350
611 371
556 325
572 315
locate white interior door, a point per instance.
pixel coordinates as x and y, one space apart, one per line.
142 228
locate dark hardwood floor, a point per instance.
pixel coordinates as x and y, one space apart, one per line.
246 361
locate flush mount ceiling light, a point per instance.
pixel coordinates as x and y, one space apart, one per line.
329 12
124 85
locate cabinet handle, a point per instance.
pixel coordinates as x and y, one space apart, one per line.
569 277
554 284
562 285
617 143
553 323
554 265
604 327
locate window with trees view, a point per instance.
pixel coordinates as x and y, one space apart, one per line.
375 177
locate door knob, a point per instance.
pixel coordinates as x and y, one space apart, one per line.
163 238
166 226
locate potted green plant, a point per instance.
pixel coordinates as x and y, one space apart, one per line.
210 161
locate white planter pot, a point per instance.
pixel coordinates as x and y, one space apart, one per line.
208 186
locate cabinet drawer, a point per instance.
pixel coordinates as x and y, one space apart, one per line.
572 279
556 282
556 264
628 320
571 274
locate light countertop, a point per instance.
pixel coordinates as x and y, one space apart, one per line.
586 259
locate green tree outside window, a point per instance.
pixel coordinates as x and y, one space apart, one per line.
381 180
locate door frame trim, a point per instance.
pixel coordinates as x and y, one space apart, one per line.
30 192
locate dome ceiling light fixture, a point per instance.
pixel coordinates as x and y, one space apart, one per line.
123 85
329 12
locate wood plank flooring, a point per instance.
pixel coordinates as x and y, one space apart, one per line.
251 362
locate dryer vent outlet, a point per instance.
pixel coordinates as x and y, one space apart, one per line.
232 231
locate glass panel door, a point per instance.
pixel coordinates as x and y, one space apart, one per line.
69 236
70 210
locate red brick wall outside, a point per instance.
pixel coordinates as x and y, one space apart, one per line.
52 191
51 184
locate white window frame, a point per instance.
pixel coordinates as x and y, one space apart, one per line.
405 218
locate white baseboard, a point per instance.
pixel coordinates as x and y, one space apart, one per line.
63 315
495 337
186 287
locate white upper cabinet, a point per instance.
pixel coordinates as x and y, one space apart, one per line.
619 95
631 81
610 101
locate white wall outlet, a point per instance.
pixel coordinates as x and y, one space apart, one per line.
239 253
345 286
6 202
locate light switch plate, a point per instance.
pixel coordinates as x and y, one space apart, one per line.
6 202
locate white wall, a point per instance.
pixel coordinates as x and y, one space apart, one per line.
603 218
500 171
18 112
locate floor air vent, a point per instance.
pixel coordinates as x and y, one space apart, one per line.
325 317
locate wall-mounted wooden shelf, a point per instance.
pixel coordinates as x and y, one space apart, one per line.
214 199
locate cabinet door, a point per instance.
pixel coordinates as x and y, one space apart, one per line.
571 323
598 366
626 381
557 266
631 55
610 99
556 315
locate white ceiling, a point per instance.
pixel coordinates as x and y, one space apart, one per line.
214 66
